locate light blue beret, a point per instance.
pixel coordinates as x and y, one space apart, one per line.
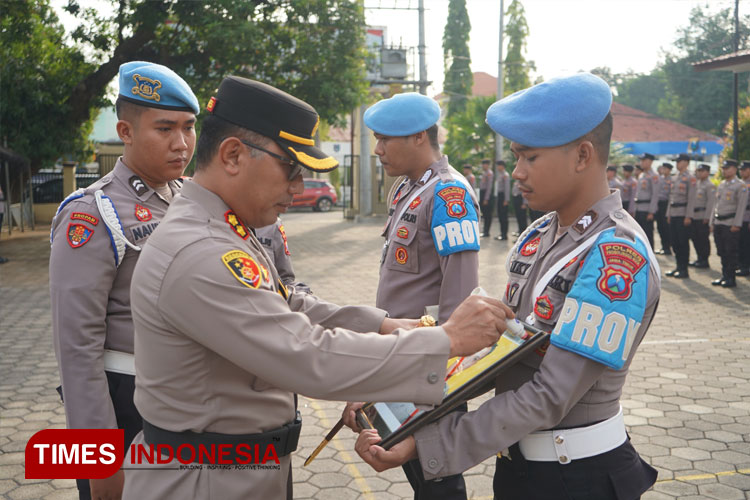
402 114
156 86
552 113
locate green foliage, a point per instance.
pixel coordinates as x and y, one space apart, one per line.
37 73
313 49
644 92
469 137
516 68
456 57
743 136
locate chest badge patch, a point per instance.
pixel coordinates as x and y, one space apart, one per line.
414 204
79 235
621 263
243 267
142 213
402 232
84 217
530 247
584 222
236 224
283 237
453 196
402 256
543 307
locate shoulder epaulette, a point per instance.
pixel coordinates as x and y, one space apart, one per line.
78 193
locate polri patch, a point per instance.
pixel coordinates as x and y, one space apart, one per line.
543 307
236 224
142 213
243 267
402 256
84 217
402 232
453 196
621 263
530 247
79 235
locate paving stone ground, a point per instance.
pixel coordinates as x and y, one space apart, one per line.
687 398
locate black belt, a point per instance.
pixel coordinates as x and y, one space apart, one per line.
284 439
678 204
699 209
642 201
724 217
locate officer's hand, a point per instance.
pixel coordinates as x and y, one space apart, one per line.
688 221
650 217
484 203
669 219
476 323
349 417
505 203
524 207
735 229
389 325
380 459
109 488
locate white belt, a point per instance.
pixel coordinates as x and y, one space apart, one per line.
565 445
119 362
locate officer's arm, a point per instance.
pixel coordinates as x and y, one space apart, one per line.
692 190
741 206
710 201
653 207
81 274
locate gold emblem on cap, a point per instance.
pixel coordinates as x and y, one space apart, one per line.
146 88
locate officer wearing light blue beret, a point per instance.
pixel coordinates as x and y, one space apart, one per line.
585 272
432 235
97 235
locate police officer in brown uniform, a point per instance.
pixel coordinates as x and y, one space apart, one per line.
729 211
519 207
274 242
221 345
431 251
97 236
647 196
705 197
486 196
629 185
502 191
744 255
586 273
662 225
680 215
613 181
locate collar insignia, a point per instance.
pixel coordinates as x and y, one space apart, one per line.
138 185
584 222
236 224
283 237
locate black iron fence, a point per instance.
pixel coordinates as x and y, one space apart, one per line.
47 187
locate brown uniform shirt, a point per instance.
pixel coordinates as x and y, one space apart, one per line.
273 240
629 187
90 289
219 349
682 195
705 198
647 192
553 387
731 199
412 273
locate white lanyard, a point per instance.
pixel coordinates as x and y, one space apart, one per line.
409 202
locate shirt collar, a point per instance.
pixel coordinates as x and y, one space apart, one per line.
593 218
138 186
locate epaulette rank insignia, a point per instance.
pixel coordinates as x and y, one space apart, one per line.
236 224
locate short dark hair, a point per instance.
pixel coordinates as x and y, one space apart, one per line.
500 162
486 160
600 137
214 130
432 136
127 110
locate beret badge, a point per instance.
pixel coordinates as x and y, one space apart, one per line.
146 87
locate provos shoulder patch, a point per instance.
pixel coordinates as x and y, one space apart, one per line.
453 196
455 226
621 263
84 217
78 235
244 268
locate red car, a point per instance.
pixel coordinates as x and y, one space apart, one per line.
318 194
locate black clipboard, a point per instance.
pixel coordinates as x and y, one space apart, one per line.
397 421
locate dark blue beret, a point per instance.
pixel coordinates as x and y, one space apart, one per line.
552 113
155 86
402 115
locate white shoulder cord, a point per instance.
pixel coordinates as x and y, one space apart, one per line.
112 221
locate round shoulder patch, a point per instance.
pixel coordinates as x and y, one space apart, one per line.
244 268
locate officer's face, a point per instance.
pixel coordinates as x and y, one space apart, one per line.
646 163
263 186
729 172
682 165
396 154
545 176
159 144
745 173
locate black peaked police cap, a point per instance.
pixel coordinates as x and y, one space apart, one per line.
289 122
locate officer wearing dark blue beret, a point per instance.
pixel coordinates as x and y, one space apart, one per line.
555 421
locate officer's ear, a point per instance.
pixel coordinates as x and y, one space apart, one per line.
420 137
230 154
125 131
585 156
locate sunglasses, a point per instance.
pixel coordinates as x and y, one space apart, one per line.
295 166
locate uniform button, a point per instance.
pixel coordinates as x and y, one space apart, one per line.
432 378
618 215
432 463
559 439
564 459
